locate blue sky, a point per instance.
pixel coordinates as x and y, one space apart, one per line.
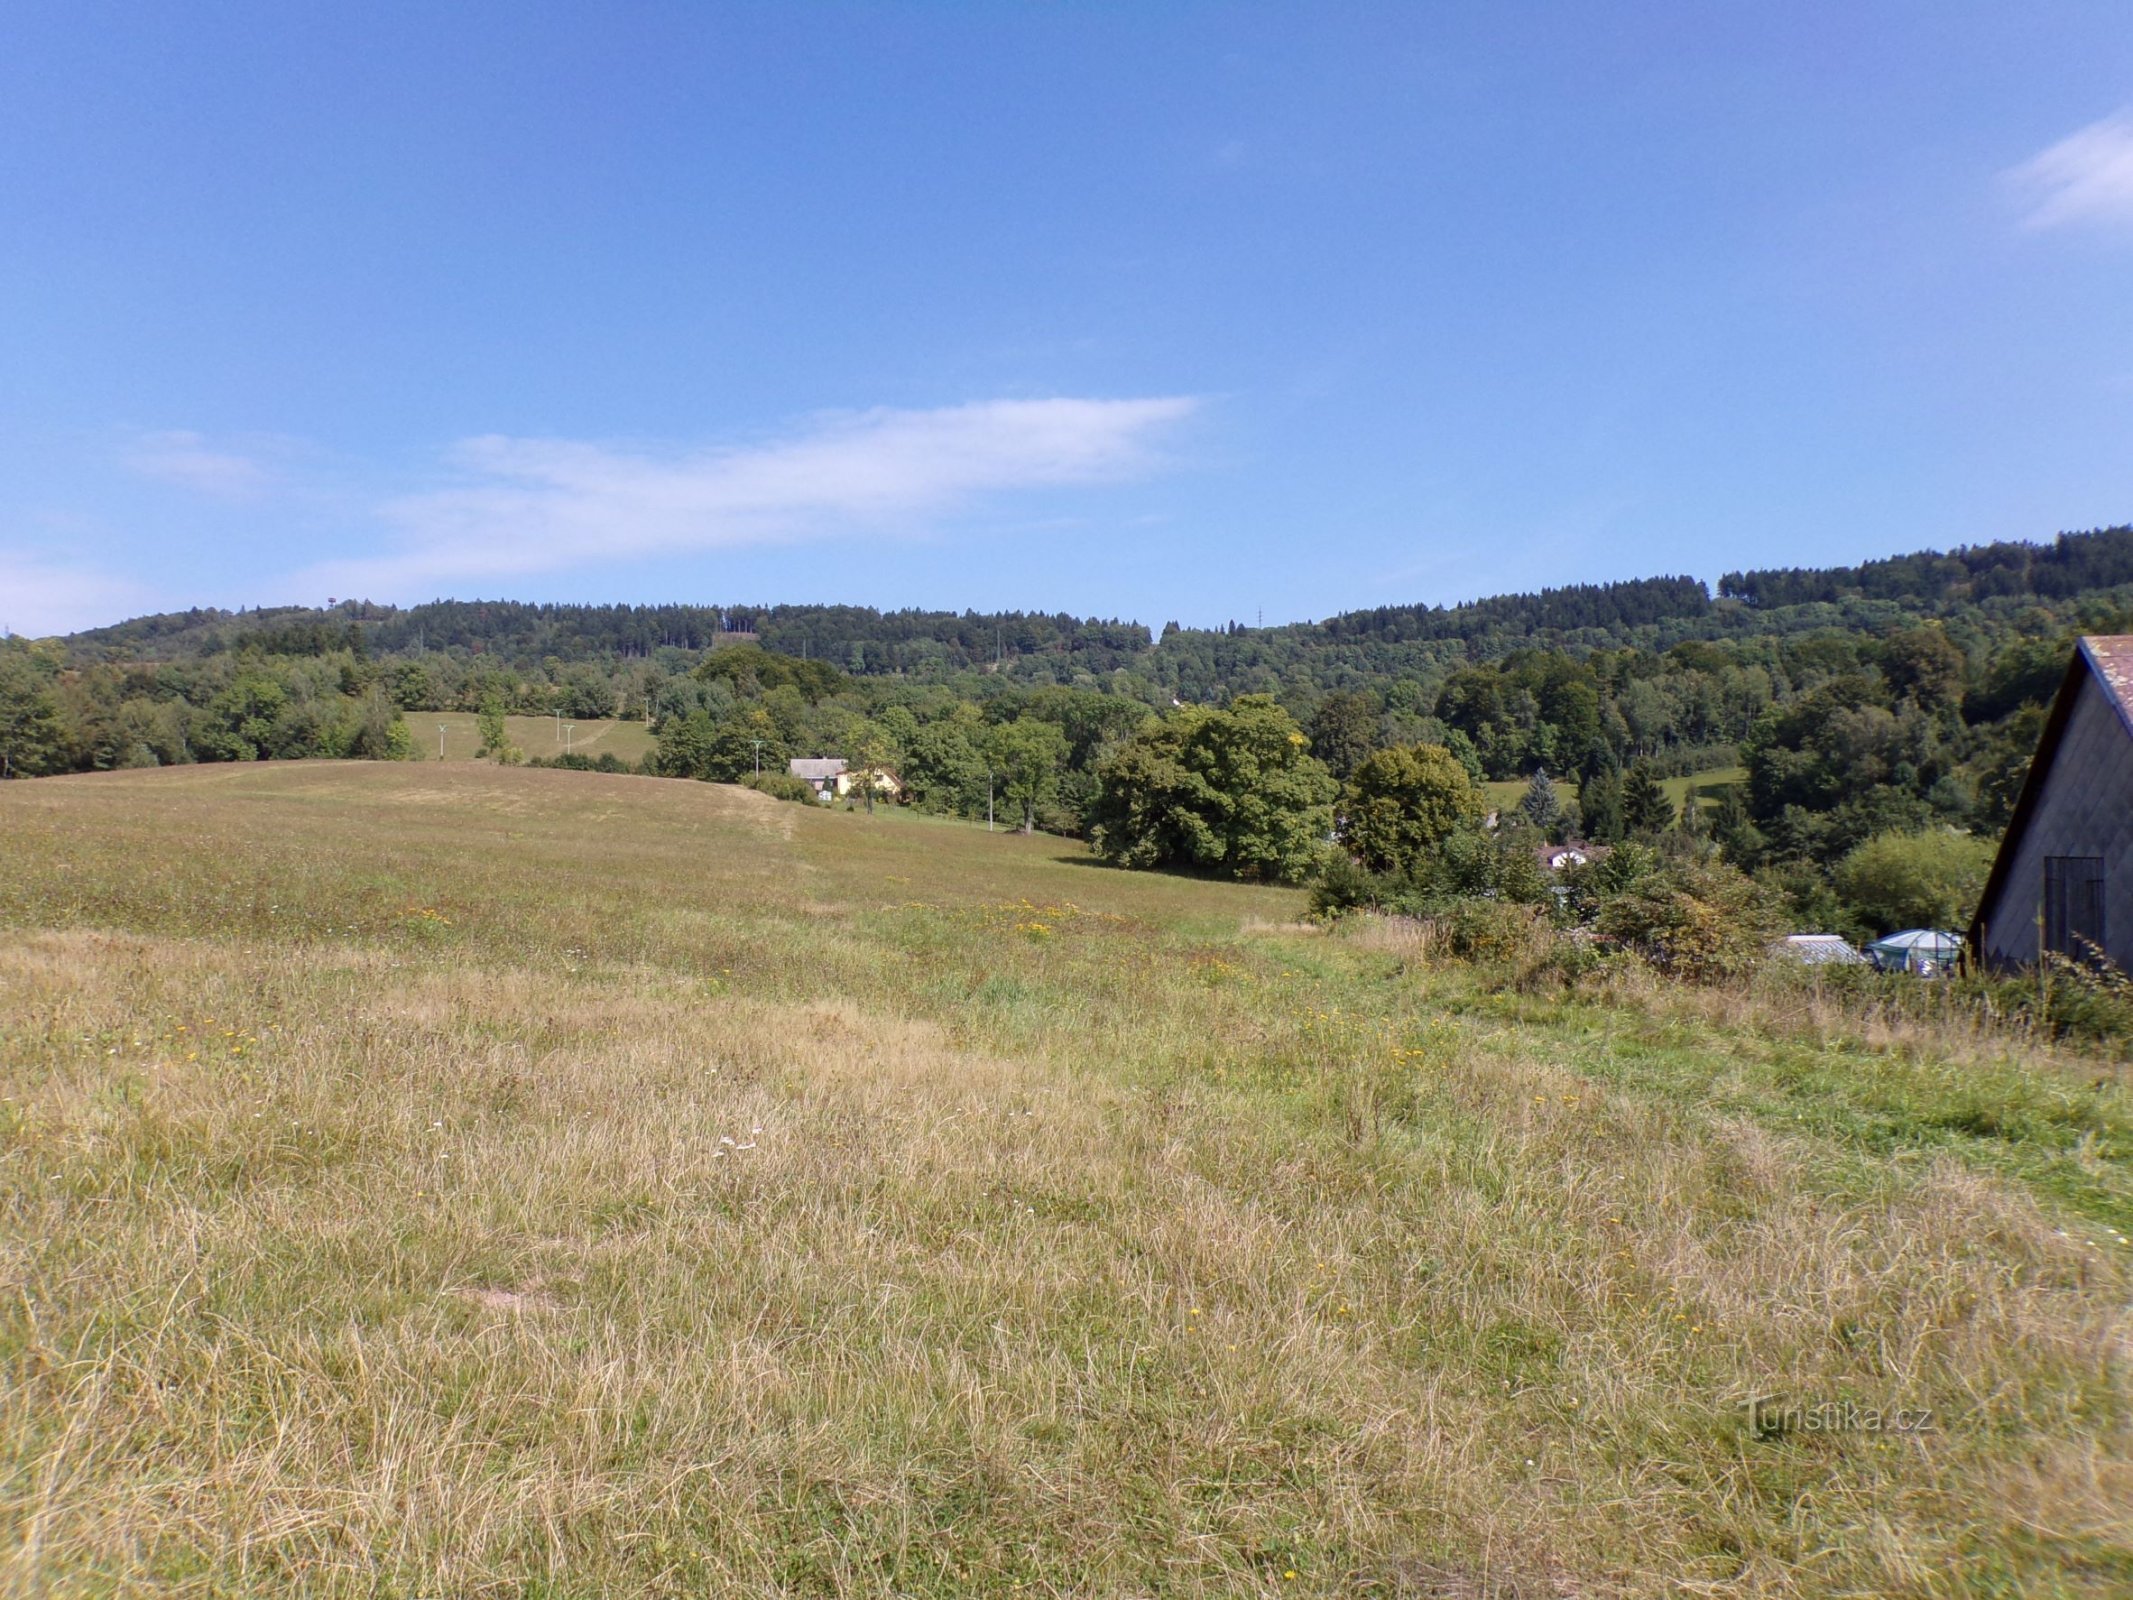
1163 311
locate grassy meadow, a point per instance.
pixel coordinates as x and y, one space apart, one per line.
627 742
444 1180
1503 794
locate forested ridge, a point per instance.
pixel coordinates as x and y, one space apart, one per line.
1646 612
1816 710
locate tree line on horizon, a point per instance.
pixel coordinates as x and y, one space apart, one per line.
1652 613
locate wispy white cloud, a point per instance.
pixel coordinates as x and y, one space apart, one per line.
187 460
38 598
2085 177
542 505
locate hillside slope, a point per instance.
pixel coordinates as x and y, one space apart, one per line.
446 1179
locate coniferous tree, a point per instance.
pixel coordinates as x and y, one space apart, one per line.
1691 822
1734 829
1645 807
1600 806
1541 805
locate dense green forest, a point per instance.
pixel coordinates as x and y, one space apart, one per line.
1814 712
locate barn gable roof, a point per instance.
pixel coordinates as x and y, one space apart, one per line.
2108 658
2111 658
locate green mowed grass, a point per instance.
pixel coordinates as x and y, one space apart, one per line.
1503 794
458 735
445 1179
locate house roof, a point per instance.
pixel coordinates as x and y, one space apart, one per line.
2106 657
815 766
2111 659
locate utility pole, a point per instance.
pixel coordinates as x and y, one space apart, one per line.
559 727
568 730
758 756
440 741
988 799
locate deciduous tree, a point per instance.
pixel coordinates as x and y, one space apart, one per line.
1916 880
1344 730
1235 791
1026 756
32 739
1404 802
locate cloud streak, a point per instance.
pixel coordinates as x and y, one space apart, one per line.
187 460
525 506
2085 177
38 598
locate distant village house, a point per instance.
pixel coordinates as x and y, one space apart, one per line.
2064 873
831 778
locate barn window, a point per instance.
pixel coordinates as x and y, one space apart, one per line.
2073 905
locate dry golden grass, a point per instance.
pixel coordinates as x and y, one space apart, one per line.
458 1181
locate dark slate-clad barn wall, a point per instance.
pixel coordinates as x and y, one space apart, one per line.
2085 808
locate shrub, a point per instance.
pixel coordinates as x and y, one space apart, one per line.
1700 921
1344 885
780 786
1470 864
2080 999
572 761
1495 932
2088 1005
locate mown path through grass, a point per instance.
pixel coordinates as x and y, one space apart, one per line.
451 1180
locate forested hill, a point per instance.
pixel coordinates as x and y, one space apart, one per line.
1815 711
1602 607
2070 565
1648 613
856 639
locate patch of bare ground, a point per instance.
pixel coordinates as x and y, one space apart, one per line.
527 1297
1260 928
